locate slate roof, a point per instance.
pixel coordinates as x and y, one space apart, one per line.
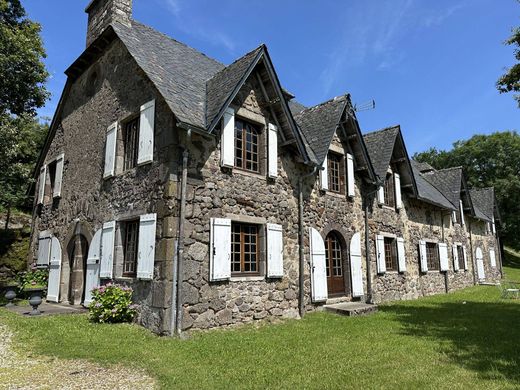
222 84
426 191
178 71
296 107
423 167
319 123
380 146
448 181
484 200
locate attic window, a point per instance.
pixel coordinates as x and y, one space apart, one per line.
246 146
389 191
336 172
130 143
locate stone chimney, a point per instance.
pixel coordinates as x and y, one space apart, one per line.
103 12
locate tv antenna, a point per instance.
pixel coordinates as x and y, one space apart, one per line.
370 105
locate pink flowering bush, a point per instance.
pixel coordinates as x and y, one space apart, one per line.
112 303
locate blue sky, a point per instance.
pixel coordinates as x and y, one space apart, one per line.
431 66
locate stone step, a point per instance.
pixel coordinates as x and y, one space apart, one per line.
351 308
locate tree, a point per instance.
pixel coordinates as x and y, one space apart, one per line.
22 72
511 80
488 161
22 139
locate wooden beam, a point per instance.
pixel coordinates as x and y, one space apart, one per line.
288 142
399 160
266 97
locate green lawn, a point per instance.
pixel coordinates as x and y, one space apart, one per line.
465 340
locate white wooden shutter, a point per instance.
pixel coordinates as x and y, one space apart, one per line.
480 264
44 249
324 175
455 253
92 271
465 257
273 150
397 184
227 139
274 251
443 256
53 283
355 266
381 195
220 249
59 175
351 181
454 216
146 133
107 250
110 150
41 189
319 289
422 256
462 219
146 252
493 227
380 252
401 254
492 258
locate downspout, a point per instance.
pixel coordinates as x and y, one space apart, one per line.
472 255
301 265
500 251
180 242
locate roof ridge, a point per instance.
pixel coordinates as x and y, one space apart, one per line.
382 130
459 167
323 103
176 41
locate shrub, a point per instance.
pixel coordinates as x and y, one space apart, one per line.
34 277
112 303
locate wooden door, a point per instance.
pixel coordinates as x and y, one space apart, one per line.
334 263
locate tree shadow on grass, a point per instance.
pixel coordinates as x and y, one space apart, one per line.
479 336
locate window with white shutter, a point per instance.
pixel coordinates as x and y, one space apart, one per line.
455 254
462 219
381 195
465 256
273 150
380 253
422 256
41 188
44 249
356 266
58 176
110 151
351 183
397 184
220 249
492 258
401 254
274 250
227 139
319 290
92 269
107 250
454 216
443 257
146 251
146 133
324 175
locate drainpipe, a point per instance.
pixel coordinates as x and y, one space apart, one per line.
472 255
301 264
180 242
500 250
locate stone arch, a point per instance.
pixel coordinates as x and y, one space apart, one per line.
75 229
341 235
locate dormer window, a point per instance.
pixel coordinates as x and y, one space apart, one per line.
389 191
246 146
130 143
336 173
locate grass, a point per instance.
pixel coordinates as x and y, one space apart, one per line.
466 339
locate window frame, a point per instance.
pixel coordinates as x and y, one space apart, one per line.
389 189
132 263
460 255
126 164
391 256
242 253
336 174
432 256
246 125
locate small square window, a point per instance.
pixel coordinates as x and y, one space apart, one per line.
244 249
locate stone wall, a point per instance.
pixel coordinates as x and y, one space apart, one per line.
111 90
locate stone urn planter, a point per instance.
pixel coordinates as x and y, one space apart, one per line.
35 298
10 292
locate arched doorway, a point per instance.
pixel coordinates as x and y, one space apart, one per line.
335 264
77 251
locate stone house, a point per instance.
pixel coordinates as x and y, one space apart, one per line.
220 199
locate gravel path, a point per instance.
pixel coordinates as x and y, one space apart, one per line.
30 372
